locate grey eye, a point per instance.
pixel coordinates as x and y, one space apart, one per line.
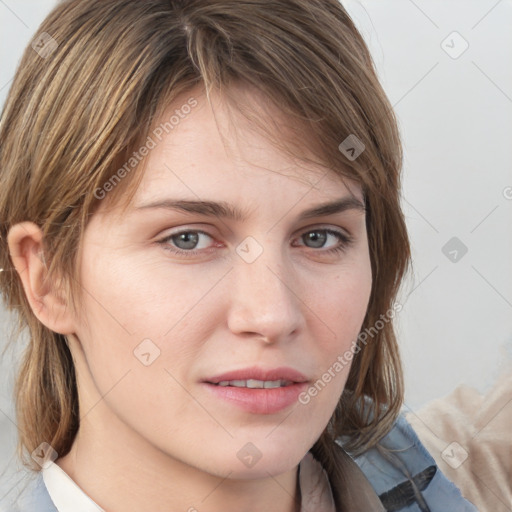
186 240
317 238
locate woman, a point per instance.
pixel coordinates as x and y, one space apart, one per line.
201 230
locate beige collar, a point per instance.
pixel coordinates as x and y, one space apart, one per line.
316 494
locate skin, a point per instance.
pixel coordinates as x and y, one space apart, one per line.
151 437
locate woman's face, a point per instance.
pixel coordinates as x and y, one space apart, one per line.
216 302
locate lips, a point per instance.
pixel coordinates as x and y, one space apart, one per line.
258 391
283 373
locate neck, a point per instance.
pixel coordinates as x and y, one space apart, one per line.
120 470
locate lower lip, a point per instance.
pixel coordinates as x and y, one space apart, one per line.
259 401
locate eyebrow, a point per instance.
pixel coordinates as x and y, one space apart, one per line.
223 209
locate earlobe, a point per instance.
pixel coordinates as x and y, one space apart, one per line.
25 241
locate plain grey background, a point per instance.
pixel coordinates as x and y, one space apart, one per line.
447 69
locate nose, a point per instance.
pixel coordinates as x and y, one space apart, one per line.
265 300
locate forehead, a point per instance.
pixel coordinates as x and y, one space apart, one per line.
200 145
234 148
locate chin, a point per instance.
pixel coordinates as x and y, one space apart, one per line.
262 469
263 458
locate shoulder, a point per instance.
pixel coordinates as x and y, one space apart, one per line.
406 477
28 495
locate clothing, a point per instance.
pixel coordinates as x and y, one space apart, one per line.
406 477
398 474
468 434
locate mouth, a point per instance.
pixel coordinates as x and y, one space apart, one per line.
255 384
258 391
257 377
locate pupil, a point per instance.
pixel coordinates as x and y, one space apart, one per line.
317 237
186 240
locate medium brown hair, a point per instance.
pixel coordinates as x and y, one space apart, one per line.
75 112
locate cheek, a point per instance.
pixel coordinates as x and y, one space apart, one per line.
135 298
145 317
340 307
342 304
130 316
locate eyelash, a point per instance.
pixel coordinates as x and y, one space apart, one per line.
345 242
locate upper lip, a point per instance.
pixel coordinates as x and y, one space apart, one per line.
256 373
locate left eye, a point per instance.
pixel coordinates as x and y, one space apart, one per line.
318 237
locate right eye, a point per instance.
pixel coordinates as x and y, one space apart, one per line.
186 242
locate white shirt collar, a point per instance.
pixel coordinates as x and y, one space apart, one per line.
65 493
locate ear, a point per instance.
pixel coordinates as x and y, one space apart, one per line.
25 241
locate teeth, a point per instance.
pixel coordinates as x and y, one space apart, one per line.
270 384
254 384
